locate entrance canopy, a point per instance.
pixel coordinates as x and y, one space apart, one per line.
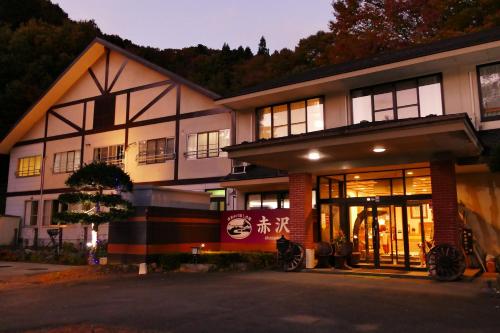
367 144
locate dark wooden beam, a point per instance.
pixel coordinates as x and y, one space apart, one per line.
92 75
153 102
120 70
106 72
66 121
177 131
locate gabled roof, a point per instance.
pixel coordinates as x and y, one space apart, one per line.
385 58
70 76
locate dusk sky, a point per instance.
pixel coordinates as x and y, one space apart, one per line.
181 23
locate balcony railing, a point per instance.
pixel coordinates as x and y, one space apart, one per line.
112 160
151 159
198 154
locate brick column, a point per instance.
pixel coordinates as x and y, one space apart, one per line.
444 202
301 220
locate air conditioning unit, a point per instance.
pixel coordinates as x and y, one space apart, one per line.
239 167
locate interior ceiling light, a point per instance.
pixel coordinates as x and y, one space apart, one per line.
356 177
379 149
313 155
409 173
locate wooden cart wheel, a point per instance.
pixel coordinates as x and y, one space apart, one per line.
294 258
446 262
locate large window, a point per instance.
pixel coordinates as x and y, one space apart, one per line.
111 154
67 161
156 151
413 98
29 166
290 118
489 92
267 200
208 144
31 213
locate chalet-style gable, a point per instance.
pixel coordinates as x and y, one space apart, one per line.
104 88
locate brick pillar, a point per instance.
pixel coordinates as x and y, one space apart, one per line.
301 220
444 202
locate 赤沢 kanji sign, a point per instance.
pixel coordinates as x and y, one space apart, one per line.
255 226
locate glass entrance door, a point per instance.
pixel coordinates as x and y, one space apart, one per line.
364 233
378 234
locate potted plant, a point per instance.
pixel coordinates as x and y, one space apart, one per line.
343 249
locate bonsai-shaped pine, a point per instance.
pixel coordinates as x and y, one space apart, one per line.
88 185
494 162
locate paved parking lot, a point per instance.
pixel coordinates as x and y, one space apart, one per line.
255 302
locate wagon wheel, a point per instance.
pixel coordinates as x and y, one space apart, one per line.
446 262
294 258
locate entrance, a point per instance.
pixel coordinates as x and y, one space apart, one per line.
392 227
396 235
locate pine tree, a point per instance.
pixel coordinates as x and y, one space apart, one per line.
263 50
88 185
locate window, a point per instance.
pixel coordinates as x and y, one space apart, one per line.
156 151
29 166
31 213
489 92
217 199
111 155
290 118
267 200
50 208
208 144
413 98
68 161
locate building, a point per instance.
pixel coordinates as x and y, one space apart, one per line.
390 152
387 150
113 106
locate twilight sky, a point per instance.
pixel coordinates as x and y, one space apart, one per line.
180 23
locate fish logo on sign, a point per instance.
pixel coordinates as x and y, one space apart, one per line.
239 228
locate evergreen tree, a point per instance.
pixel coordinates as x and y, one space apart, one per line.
263 50
88 185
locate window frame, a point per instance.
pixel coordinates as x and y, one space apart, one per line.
143 159
280 197
35 173
31 215
289 116
480 93
195 154
66 170
394 91
116 160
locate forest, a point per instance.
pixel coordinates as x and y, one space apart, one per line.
38 41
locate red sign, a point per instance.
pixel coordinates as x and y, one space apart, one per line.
255 226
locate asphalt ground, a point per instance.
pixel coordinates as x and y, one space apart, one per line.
252 302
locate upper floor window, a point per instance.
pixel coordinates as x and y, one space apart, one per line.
208 144
67 161
489 92
413 98
29 166
156 150
111 154
290 118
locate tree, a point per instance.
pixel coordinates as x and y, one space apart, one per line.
88 186
263 50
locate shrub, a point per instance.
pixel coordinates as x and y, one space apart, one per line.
221 260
